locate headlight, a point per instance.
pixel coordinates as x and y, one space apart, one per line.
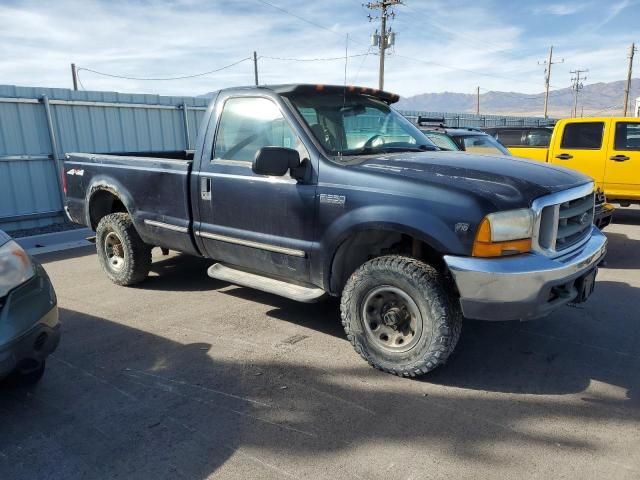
15 267
504 233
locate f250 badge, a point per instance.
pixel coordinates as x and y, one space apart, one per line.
337 200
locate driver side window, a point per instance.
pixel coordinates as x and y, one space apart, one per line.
246 125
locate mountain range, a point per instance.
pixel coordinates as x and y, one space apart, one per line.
595 99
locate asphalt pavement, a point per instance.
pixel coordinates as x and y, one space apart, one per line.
189 377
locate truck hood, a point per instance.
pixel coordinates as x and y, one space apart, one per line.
507 182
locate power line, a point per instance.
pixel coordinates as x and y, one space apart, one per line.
303 19
362 64
327 59
475 41
449 67
156 79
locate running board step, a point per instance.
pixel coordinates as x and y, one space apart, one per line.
266 284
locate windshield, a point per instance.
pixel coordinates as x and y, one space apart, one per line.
358 125
483 144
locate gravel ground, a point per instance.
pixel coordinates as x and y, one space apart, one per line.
189 377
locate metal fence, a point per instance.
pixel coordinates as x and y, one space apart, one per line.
479 121
38 125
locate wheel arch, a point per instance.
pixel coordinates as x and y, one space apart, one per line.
366 241
105 197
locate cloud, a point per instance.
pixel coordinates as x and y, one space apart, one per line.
438 48
613 11
560 9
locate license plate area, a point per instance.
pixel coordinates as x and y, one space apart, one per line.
585 285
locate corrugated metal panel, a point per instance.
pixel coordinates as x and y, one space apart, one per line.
118 122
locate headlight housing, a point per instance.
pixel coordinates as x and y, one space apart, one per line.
16 267
504 233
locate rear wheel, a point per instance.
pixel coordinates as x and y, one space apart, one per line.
399 316
124 257
28 373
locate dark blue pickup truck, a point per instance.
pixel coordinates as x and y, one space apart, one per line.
309 190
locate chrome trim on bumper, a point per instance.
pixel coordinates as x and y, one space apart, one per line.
520 287
167 226
249 243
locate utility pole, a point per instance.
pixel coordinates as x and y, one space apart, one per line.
255 66
547 78
577 85
74 76
386 38
478 101
632 51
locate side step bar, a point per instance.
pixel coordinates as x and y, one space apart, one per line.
266 284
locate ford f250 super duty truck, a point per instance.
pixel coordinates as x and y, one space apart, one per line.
305 191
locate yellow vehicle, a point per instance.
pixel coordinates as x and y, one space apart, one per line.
605 148
526 142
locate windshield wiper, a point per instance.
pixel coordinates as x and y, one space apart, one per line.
421 148
389 149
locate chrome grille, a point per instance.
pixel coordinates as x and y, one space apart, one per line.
563 220
575 218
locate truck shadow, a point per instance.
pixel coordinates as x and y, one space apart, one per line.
561 354
558 355
187 273
627 216
122 402
623 252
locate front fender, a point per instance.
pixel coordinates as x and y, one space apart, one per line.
415 222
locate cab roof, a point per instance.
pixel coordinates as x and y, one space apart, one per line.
302 88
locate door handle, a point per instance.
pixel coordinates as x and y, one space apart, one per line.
205 188
619 158
564 156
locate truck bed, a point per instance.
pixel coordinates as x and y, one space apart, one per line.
153 186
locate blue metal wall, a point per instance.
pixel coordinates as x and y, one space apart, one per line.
82 121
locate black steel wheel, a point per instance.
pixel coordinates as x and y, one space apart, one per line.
399 315
124 257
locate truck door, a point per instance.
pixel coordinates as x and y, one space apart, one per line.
261 223
622 173
581 146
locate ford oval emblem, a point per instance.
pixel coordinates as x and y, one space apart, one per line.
584 218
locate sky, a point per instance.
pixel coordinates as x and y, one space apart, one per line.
440 45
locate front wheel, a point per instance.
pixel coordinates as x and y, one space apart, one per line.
124 257
399 317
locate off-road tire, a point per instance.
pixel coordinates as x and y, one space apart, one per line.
33 376
24 378
439 309
136 253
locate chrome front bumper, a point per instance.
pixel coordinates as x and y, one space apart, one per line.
523 287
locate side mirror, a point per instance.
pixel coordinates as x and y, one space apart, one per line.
275 161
